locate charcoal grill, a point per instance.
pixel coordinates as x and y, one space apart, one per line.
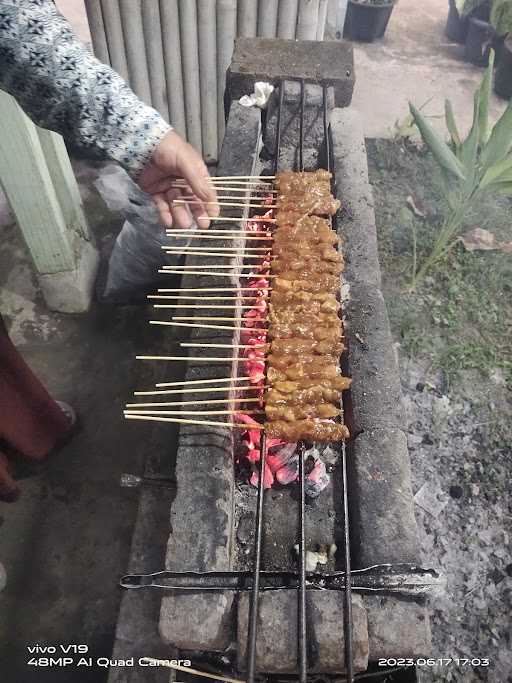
405 578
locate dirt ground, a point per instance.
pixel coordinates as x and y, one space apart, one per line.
454 344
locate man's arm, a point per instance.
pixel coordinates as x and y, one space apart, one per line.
61 86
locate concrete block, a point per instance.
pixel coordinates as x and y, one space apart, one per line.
383 525
397 627
197 621
375 398
264 59
277 632
313 131
71 291
357 225
202 511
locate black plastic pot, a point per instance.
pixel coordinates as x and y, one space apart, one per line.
367 22
479 41
456 26
503 76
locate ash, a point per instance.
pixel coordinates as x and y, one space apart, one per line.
459 440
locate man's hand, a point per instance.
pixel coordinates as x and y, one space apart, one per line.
176 160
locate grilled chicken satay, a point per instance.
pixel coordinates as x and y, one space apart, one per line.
307 430
315 202
302 412
304 346
319 283
289 182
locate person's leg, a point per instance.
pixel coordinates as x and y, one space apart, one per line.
9 491
31 422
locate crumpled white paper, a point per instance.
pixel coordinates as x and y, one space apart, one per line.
259 97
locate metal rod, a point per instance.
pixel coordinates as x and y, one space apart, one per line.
302 620
301 125
347 611
253 610
279 120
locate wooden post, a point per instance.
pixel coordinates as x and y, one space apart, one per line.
44 198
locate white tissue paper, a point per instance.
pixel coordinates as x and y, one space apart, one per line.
259 97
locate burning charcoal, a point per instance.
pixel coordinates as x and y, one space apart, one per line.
289 472
317 480
279 456
268 478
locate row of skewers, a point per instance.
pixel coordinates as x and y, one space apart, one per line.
285 313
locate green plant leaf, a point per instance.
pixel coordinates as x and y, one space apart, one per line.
502 171
500 140
442 153
501 16
469 149
464 7
504 189
485 96
451 124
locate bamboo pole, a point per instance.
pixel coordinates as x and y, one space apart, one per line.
173 66
190 66
208 76
267 18
287 20
247 18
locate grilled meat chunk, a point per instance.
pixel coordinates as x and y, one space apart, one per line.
307 430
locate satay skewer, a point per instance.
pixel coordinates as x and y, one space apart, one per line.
222 266
202 390
184 413
193 345
207 401
187 382
218 307
236 250
198 231
180 252
250 205
164 297
225 319
179 420
214 273
226 236
215 289
251 219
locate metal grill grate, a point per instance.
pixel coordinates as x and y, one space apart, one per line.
302 589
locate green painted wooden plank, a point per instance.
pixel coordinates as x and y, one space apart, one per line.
64 181
28 185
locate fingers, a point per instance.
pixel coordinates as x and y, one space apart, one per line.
181 215
163 209
196 174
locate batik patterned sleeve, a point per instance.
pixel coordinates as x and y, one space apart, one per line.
61 86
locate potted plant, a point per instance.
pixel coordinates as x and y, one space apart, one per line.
503 77
367 19
487 24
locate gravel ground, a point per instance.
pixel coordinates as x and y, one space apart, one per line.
461 481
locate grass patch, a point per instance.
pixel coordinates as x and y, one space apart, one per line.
461 317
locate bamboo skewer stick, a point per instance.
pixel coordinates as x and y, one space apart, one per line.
226 236
179 413
201 359
200 390
225 319
204 298
187 382
242 177
249 205
247 189
208 401
192 345
216 289
220 306
206 327
170 250
181 231
235 250
177 667
215 273
252 219
215 265
179 420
